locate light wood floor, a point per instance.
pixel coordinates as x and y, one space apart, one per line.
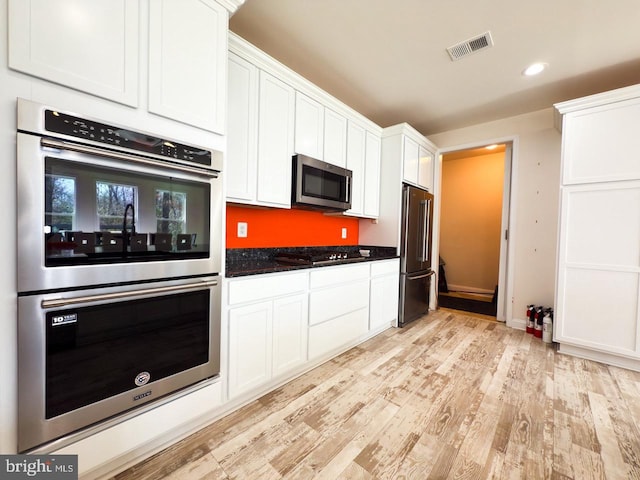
450 396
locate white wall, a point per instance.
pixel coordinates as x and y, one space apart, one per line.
535 191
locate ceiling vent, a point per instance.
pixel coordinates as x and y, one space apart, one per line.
473 45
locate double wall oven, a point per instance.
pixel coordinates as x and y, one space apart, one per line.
119 243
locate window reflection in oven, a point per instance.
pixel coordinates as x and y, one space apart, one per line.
98 214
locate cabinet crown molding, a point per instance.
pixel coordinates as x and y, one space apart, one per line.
617 95
409 131
264 61
231 5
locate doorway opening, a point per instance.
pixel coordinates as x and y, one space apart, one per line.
474 217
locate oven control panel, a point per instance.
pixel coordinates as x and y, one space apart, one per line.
63 123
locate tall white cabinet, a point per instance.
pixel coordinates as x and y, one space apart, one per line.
598 278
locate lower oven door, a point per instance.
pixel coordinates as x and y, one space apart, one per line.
85 356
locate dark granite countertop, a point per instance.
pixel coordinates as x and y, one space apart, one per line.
253 261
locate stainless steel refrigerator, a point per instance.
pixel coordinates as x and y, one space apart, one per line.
415 254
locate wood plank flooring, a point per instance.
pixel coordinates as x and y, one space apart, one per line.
450 396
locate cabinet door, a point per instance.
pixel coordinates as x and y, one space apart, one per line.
425 168
89 46
187 59
410 160
309 129
383 310
335 138
289 333
599 267
330 335
242 137
356 145
599 144
372 176
275 141
250 347
328 303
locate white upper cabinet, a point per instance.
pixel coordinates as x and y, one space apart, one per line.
275 141
417 163
425 168
260 136
372 175
293 117
411 161
356 145
309 129
96 47
242 136
597 142
335 138
363 159
88 46
187 57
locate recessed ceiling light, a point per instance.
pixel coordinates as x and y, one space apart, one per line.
491 147
534 69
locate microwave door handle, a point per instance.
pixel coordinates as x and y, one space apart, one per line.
348 189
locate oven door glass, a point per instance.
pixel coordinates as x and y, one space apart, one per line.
98 214
98 351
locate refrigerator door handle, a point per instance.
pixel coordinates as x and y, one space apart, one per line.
421 276
424 206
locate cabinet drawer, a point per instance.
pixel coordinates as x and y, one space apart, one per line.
384 267
329 276
330 335
266 287
332 302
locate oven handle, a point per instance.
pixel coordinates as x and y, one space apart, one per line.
74 147
63 302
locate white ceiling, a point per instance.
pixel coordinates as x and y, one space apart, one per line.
387 58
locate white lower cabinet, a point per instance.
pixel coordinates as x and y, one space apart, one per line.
267 328
280 323
385 286
250 346
289 333
338 307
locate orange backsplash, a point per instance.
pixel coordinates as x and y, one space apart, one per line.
276 227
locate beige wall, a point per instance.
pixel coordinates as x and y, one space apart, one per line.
470 221
535 185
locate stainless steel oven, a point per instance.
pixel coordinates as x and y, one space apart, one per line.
99 203
87 355
119 242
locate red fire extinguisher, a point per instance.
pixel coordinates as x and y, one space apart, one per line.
530 318
539 317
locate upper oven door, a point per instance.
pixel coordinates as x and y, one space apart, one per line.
93 217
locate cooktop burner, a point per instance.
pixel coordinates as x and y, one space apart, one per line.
317 257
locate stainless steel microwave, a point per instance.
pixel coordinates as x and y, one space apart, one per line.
320 185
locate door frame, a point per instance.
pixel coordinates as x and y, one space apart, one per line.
507 254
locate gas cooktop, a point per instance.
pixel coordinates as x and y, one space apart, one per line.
317 257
